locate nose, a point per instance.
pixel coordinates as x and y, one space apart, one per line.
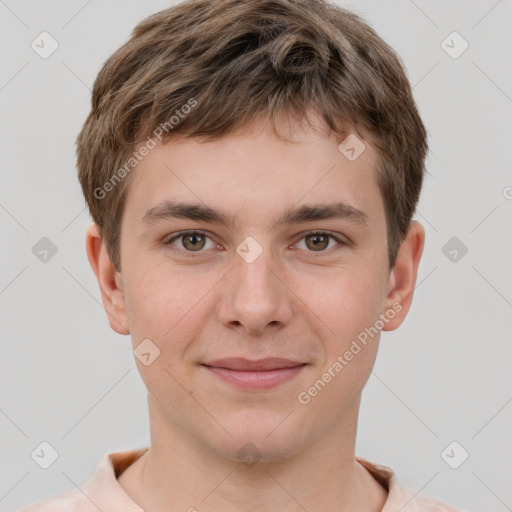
255 297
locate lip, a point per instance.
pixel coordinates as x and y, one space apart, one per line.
255 375
239 363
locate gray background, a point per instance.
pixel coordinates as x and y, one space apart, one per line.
444 376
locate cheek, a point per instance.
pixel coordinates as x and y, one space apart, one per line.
167 304
346 301
161 307
156 303
350 306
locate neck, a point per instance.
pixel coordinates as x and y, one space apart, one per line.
180 473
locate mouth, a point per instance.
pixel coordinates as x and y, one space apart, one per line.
255 375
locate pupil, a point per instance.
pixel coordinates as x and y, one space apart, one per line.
319 241
193 241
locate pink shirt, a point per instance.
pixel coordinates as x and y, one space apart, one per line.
103 492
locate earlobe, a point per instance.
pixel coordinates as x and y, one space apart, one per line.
402 279
109 281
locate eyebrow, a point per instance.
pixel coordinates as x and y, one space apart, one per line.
168 210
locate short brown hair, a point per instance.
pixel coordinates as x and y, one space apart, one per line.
234 60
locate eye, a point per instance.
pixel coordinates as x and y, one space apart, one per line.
195 241
191 241
319 241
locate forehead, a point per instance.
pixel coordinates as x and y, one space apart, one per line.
252 171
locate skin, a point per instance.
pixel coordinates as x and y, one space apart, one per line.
295 301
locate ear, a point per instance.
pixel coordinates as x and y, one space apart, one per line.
109 281
402 279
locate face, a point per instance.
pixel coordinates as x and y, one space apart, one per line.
276 274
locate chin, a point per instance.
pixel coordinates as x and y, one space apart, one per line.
259 441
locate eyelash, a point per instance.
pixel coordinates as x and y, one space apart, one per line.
194 254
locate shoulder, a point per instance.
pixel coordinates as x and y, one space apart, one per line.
101 491
400 497
71 500
414 502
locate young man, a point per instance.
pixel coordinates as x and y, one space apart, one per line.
252 169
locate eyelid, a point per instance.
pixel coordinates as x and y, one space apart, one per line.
175 236
342 240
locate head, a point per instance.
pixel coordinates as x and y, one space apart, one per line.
240 110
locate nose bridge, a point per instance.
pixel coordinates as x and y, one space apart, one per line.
255 297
